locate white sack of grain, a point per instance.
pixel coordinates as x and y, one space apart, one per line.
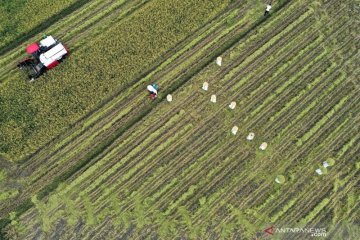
318 171
250 136
219 61
263 146
232 105
213 98
326 164
205 86
234 130
280 179
169 98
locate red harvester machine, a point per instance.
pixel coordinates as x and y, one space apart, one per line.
46 54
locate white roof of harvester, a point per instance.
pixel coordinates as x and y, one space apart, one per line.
55 53
48 41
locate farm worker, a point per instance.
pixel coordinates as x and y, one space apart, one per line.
267 11
153 88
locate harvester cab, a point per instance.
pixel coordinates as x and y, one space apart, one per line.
46 54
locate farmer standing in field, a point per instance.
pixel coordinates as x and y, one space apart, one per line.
267 11
153 88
